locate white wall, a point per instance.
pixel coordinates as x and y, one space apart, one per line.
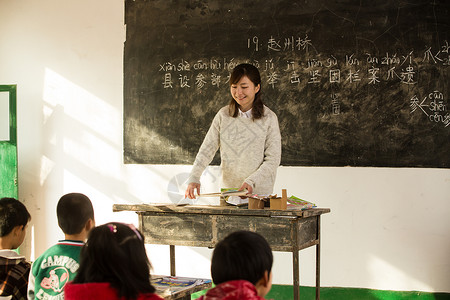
388 228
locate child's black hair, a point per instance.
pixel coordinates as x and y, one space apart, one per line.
115 253
73 211
12 213
242 255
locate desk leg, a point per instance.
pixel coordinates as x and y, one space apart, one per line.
318 260
295 263
172 260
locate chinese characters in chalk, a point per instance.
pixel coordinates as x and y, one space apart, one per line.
294 63
317 70
433 106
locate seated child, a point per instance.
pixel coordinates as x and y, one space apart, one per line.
114 265
14 269
59 264
241 267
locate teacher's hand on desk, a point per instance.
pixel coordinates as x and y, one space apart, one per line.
247 186
190 191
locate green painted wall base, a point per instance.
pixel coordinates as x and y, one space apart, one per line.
285 292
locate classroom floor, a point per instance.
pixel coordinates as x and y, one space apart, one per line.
285 292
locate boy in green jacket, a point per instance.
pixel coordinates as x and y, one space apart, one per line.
59 264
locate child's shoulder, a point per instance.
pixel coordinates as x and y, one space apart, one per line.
63 247
9 259
233 290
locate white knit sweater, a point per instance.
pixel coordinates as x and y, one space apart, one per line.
250 151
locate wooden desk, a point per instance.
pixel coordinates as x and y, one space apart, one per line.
204 226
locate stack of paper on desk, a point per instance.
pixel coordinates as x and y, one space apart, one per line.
235 200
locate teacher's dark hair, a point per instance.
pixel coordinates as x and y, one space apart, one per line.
253 74
115 253
242 255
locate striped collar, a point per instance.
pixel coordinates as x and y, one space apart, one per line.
71 243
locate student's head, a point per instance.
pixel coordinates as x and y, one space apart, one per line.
74 210
115 253
245 88
242 255
14 218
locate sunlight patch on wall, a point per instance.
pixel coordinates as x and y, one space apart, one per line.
33 243
46 168
82 106
83 127
83 136
393 278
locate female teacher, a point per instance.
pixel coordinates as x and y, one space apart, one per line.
248 135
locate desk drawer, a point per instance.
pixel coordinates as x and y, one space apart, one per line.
201 230
181 229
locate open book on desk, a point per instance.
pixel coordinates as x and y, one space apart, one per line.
170 285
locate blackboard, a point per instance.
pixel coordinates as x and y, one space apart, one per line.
354 83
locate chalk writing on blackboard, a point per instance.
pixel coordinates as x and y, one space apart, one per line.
335 106
278 45
400 68
197 72
350 83
433 106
